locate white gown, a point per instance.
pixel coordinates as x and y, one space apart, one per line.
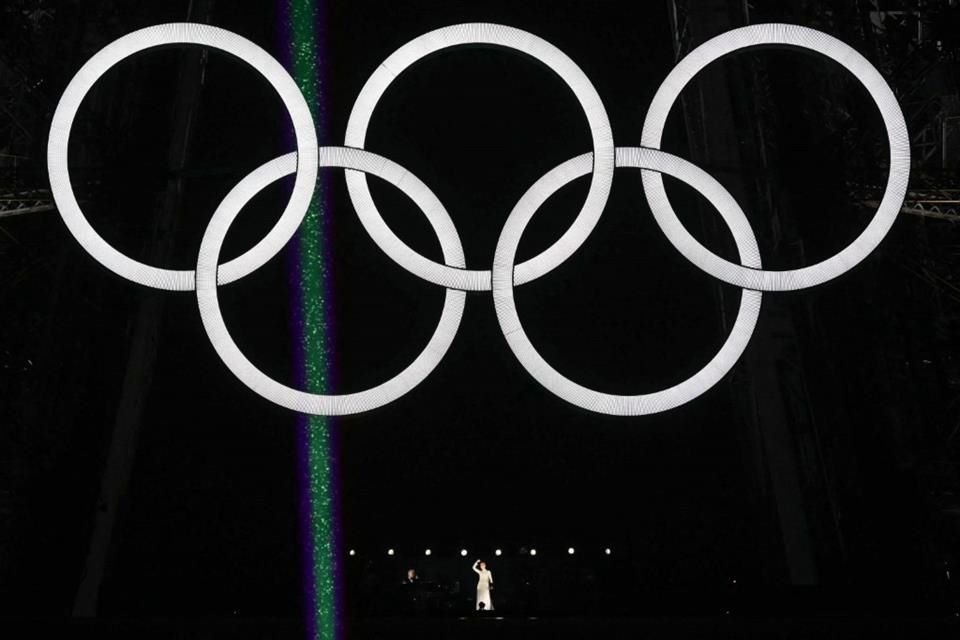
484 583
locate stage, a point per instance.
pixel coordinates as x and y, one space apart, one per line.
464 628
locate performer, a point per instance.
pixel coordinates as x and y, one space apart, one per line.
484 586
412 592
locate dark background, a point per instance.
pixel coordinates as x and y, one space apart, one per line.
860 373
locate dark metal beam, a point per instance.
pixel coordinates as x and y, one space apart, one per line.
144 342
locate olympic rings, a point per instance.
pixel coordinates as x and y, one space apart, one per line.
259 382
818 42
180 33
452 273
557 383
517 40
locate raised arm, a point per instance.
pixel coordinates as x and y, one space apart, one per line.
475 567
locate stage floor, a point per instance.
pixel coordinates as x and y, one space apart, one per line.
727 627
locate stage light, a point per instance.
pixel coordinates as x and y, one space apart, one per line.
389 552
463 552
498 552
427 552
607 551
571 550
353 552
533 552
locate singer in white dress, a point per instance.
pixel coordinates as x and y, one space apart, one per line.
484 585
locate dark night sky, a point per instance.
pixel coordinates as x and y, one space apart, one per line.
478 455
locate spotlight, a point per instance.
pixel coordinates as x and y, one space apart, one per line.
463 552
427 552
607 551
353 552
533 552
571 550
498 552
389 552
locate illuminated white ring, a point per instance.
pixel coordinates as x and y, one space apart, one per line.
180 33
250 375
554 381
818 42
517 40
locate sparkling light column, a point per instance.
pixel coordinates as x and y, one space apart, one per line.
312 306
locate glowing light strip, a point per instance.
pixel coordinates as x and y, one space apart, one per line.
862 70
553 380
180 33
313 322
